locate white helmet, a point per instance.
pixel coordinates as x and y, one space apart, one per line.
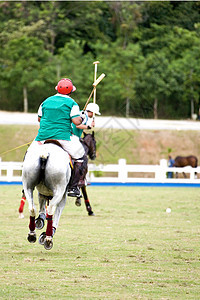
93 107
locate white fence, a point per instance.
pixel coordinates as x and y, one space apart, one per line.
119 173
10 171
148 173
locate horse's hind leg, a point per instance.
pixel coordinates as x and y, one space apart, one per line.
39 222
32 235
55 208
58 212
29 196
87 202
48 236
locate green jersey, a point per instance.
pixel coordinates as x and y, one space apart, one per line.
56 114
77 131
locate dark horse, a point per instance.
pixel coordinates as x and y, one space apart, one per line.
89 145
183 161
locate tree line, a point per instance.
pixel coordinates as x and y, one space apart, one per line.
149 52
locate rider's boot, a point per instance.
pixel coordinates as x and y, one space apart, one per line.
79 168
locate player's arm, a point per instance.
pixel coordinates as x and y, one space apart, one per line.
39 113
82 126
77 120
75 115
87 123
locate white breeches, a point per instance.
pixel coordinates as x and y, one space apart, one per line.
73 147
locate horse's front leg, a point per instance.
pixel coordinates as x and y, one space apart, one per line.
87 202
184 175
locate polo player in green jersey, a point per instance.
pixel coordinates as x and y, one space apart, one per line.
56 115
88 122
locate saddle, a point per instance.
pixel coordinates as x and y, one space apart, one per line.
51 141
57 143
82 180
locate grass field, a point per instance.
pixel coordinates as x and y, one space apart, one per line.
131 249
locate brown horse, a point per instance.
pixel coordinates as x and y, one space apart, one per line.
183 161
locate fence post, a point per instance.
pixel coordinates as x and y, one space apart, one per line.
10 172
192 174
161 172
122 173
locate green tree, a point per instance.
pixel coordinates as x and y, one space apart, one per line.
180 48
25 62
155 81
78 67
116 93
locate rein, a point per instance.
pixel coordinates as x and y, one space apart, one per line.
15 148
46 142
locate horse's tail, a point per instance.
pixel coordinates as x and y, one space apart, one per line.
43 161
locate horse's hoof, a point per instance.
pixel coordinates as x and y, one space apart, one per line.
90 213
31 237
78 202
39 223
42 238
48 243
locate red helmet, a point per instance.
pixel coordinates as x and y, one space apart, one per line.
65 86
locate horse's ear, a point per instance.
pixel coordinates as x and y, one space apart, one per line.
93 133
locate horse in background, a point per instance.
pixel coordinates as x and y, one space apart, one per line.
46 167
183 161
89 143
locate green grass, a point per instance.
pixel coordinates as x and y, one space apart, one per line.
136 146
131 249
14 136
111 144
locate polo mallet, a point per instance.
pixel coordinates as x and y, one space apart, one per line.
94 88
95 63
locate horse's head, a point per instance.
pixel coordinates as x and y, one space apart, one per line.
89 144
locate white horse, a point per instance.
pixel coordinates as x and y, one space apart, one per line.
46 167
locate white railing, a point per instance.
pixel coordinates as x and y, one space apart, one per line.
148 173
10 171
121 173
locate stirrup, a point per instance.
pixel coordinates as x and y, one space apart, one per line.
74 192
